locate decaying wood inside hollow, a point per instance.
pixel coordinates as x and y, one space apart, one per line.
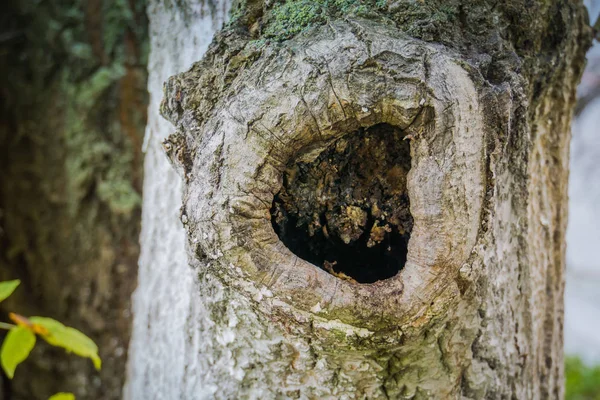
348 210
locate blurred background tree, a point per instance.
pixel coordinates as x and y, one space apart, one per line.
72 115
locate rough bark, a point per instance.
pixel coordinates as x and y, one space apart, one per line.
72 115
484 93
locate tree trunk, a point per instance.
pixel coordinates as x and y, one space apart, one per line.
374 201
72 115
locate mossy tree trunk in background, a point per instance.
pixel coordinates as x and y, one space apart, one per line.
73 110
287 139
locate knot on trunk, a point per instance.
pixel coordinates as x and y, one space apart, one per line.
343 169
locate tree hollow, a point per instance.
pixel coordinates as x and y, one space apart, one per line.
348 210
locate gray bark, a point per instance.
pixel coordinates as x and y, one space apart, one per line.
483 92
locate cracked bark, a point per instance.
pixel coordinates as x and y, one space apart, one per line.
483 92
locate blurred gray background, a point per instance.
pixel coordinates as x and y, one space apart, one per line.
582 299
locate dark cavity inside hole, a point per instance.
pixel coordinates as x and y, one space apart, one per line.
348 210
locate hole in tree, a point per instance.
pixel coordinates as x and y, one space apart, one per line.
348 210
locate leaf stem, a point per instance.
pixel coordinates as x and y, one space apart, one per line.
8 327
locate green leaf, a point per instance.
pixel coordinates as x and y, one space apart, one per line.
16 347
68 338
62 396
582 381
6 288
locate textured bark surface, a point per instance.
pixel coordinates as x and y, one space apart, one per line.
483 92
73 108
